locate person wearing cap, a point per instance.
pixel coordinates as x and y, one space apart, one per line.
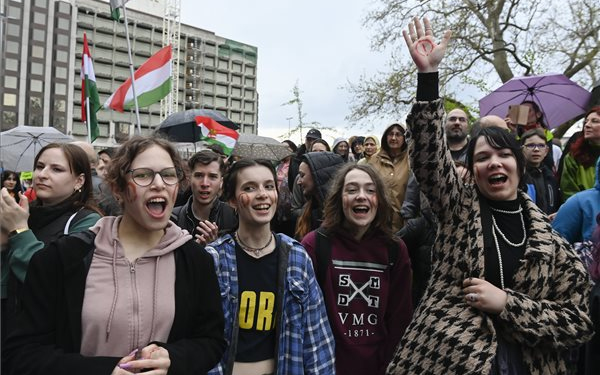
311 136
392 164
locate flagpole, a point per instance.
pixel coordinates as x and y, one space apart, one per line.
132 72
87 117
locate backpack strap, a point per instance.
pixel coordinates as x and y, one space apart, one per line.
323 255
80 214
393 250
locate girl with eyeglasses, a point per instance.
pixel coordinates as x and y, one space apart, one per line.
539 181
134 294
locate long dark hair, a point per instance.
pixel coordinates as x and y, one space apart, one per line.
498 139
333 212
15 191
79 164
581 150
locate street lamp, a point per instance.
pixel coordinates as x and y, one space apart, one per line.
289 127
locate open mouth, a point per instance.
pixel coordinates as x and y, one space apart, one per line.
497 179
156 206
204 194
360 210
262 207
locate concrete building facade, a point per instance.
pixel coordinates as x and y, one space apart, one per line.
41 62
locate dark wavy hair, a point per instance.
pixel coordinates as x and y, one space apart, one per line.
79 164
5 175
498 139
230 179
321 141
333 212
120 164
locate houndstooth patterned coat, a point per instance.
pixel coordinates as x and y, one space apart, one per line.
546 312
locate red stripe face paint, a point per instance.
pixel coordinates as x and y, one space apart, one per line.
131 191
244 200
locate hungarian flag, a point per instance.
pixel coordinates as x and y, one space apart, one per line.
114 8
152 83
90 102
215 133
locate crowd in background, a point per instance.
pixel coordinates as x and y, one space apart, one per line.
444 245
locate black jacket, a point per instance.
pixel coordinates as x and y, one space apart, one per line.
47 336
323 166
221 213
295 164
547 194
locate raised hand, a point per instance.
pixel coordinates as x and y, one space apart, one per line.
421 44
14 215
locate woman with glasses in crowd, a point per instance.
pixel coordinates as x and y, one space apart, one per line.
275 320
134 294
507 295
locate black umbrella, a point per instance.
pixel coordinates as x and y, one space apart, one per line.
182 127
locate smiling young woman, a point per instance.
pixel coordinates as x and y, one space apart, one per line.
134 292
64 204
272 303
366 275
505 292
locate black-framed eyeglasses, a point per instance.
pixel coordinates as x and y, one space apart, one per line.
145 176
533 146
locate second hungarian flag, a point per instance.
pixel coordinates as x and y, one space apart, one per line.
90 102
152 83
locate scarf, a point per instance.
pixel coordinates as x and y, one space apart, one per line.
41 215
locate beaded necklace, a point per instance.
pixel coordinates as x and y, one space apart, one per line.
253 250
496 229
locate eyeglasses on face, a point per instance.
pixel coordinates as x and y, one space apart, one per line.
533 146
457 118
145 176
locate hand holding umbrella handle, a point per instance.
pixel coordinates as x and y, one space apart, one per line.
425 53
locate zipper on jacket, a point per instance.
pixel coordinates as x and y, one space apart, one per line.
135 306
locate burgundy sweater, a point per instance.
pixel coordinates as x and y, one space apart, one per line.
368 302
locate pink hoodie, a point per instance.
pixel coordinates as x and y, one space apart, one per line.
127 305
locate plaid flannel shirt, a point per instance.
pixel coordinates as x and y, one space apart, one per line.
306 344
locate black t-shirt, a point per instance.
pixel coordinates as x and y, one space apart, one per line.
257 280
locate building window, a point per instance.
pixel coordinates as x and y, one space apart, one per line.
63 24
237 67
39 35
60 105
63 7
8 118
12 47
14 12
11 64
37 68
36 85
10 100
10 82
13 30
41 3
60 89
62 56
62 40
37 51
249 82
61 72
39 18
223 64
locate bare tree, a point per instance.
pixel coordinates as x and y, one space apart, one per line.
492 42
299 129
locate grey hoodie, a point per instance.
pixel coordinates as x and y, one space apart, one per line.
127 305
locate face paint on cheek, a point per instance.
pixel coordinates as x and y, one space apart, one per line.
131 191
244 200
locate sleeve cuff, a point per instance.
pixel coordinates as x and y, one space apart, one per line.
427 87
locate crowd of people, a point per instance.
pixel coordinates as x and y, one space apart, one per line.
441 247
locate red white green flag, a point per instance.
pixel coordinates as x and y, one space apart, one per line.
114 8
152 83
90 102
215 133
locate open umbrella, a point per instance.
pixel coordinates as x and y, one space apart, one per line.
559 98
182 127
20 145
252 146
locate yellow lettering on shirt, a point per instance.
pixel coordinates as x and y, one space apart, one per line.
262 313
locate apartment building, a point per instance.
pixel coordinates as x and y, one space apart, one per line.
41 62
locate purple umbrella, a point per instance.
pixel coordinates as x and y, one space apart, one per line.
559 98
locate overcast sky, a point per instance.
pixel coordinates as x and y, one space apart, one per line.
321 44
